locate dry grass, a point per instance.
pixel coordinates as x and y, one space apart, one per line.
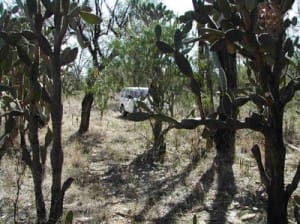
109 189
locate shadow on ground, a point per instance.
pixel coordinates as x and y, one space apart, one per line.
153 183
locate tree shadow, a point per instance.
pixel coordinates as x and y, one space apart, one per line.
226 190
145 160
161 189
196 197
89 139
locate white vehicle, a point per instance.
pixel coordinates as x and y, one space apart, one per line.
129 97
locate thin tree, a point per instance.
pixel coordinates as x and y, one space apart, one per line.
89 36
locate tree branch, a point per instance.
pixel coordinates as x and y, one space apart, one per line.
66 185
26 157
255 122
195 122
240 101
257 155
288 92
293 186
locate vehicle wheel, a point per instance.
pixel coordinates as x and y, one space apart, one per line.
122 111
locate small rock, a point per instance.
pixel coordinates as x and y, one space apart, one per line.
83 220
247 216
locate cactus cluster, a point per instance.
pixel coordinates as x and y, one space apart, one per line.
257 31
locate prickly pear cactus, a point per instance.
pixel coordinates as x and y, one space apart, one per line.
270 17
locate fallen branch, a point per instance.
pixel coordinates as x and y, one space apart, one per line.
291 146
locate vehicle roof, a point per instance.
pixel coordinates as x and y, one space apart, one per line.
136 88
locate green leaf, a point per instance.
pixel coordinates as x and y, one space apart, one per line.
31 6
158 32
44 44
188 26
202 13
81 40
294 21
68 55
218 33
86 8
164 47
90 18
69 218
178 39
187 17
75 12
234 35
183 64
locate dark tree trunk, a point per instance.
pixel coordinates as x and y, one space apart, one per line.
159 145
36 166
86 107
56 155
224 140
226 189
275 155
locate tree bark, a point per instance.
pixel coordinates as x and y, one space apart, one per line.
56 155
224 139
86 107
36 166
226 188
275 154
159 145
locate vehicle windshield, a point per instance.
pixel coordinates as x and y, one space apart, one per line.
136 93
